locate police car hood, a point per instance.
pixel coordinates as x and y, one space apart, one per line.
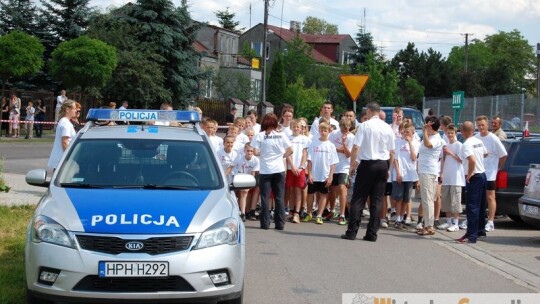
137 211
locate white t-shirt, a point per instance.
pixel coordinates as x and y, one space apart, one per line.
287 131
314 130
299 144
227 160
64 128
473 146
375 139
271 148
217 142
257 128
453 174
247 166
407 167
322 155
344 161
60 100
495 150
30 114
428 158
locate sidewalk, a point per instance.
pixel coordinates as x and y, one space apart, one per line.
21 193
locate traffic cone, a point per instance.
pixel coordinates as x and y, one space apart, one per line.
526 130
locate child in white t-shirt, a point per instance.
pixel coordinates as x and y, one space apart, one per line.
246 164
295 181
227 156
322 158
453 179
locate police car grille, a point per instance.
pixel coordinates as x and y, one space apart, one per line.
97 284
115 245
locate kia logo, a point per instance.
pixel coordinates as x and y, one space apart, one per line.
134 246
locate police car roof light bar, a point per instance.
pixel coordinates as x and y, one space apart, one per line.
142 115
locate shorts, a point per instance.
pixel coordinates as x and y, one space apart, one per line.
318 187
402 192
340 179
388 189
490 185
451 199
292 180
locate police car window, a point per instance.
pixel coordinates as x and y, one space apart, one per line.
152 164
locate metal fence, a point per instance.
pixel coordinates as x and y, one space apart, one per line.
517 108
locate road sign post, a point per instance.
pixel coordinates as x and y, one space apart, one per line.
354 85
458 102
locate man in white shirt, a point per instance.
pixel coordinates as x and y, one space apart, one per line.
472 155
493 162
374 147
326 112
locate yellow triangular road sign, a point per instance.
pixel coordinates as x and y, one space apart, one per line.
354 84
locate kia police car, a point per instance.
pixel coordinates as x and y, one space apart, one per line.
137 212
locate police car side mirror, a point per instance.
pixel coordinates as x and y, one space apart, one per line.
243 181
37 177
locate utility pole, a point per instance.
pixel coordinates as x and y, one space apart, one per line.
467 51
265 35
538 70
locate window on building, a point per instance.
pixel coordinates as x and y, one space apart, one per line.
208 88
257 46
256 89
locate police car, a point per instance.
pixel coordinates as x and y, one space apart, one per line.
137 213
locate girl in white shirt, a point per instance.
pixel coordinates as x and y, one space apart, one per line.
64 132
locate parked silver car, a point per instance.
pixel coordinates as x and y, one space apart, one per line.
137 213
529 203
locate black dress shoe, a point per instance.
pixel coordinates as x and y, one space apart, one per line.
369 238
280 228
265 228
347 237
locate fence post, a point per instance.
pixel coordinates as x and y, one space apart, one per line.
474 109
497 104
491 107
423 104
438 107
522 105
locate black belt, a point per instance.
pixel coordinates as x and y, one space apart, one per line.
371 161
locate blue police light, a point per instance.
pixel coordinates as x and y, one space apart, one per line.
142 115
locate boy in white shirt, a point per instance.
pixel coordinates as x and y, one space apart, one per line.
210 127
453 179
247 164
238 146
322 158
227 156
295 180
343 140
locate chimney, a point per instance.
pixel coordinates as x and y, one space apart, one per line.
295 26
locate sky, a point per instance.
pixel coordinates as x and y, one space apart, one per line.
437 24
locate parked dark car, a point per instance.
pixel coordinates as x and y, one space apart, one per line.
529 203
414 114
510 180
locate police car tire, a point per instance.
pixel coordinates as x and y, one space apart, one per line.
180 174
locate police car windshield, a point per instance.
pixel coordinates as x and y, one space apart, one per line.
136 163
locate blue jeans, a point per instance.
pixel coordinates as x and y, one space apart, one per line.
476 206
272 183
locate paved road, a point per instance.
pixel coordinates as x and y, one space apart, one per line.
308 263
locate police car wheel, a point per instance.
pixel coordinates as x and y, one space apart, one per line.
180 175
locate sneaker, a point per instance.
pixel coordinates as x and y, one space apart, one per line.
490 227
408 221
243 217
453 228
319 220
336 215
384 224
436 223
271 215
296 218
307 218
365 213
463 225
329 215
286 211
393 217
443 226
419 226
342 221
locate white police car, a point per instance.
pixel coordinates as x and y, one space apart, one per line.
137 213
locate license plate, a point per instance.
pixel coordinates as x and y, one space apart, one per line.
532 210
133 269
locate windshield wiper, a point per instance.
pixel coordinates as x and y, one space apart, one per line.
154 187
81 185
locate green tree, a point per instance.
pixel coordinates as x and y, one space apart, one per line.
297 59
232 84
364 49
18 15
412 93
138 77
382 86
226 20
83 63
172 32
306 101
21 54
68 19
316 26
277 82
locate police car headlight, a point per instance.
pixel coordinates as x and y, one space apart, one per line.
47 230
222 232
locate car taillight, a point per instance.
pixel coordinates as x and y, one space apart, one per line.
527 178
502 179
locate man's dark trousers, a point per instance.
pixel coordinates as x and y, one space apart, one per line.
476 206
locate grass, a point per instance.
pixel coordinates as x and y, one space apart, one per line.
13 222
